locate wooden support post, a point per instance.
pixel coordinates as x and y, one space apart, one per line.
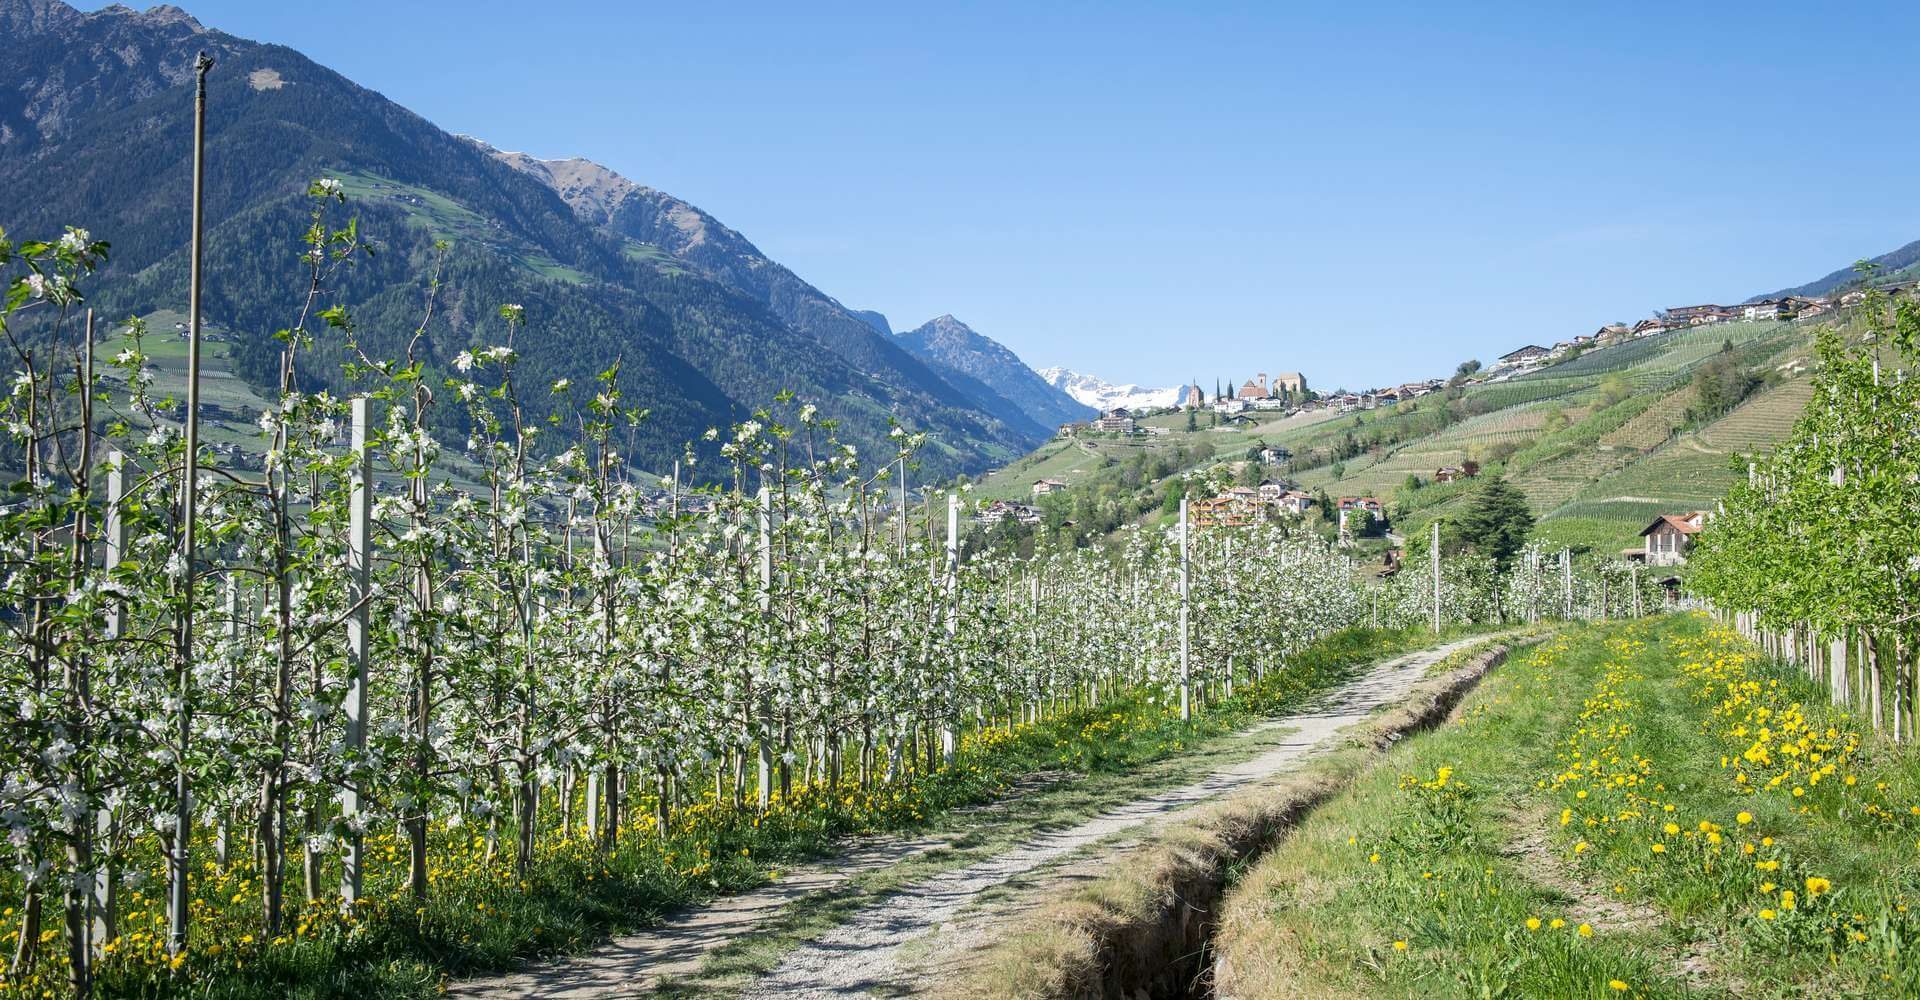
1434 552
105 918
949 739
1566 580
765 790
1186 621
359 624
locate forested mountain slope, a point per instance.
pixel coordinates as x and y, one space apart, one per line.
96 124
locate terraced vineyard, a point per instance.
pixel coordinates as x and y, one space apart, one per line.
1654 425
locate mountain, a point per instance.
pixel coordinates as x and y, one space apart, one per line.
957 352
876 320
1103 395
1901 264
655 222
704 328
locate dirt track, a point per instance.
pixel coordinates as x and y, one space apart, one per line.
861 956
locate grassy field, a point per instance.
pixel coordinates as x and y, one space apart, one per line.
1641 809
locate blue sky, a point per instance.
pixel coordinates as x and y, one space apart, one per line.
1150 194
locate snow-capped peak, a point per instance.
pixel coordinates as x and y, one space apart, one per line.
1100 394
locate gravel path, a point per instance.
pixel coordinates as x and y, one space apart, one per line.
861 956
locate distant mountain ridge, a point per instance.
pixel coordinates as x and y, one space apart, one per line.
1100 394
1892 264
703 326
660 221
953 347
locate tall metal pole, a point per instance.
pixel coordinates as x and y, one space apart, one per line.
182 858
1186 664
359 591
1434 552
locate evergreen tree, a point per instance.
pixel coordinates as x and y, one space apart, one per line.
1496 521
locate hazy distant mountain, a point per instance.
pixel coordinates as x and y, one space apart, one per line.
94 122
952 347
1103 395
1903 263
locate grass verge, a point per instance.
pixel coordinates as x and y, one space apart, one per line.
1642 809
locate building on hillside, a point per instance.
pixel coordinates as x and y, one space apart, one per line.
1220 512
1525 355
1273 454
1700 315
1448 474
1289 384
1252 390
1802 307
1193 398
1228 407
1648 327
1612 333
1295 502
1365 510
1693 315
1006 510
1068 430
1115 421
1762 310
1668 536
1043 487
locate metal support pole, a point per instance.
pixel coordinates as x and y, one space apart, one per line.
181 861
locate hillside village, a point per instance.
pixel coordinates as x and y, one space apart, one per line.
1603 432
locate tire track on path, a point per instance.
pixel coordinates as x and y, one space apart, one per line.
860 956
